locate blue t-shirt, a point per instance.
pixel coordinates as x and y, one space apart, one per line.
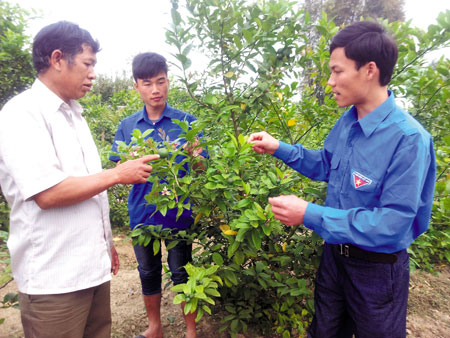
139 211
381 173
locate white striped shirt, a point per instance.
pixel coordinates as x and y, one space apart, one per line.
43 141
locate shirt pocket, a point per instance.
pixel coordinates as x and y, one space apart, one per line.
335 162
334 179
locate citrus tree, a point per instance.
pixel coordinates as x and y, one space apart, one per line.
250 83
251 267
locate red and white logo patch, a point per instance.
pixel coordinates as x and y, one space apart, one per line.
359 180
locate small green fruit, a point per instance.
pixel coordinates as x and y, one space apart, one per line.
163 153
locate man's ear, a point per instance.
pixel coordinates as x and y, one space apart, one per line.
372 70
56 58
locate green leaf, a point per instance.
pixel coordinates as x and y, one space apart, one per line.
234 325
241 233
231 277
211 99
239 257
187 49
211 269
178 288
178 299
199 315
217 258
232 248
210 185
201 295
206 309
237 41
163 210
246 187
194 304
217 279
256 239
147 240
141 239
172 244
247 35
243 203
156 246
187 307
212 292
267 229
176 17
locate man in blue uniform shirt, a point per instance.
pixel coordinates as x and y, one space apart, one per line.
380 167
152 83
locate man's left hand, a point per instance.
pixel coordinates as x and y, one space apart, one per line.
288 209
193 149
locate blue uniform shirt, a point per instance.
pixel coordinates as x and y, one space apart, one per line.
381 173
140 212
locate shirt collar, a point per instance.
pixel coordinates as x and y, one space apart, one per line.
371 121
52 102
168 112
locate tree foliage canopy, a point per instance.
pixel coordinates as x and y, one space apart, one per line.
348 11
16 65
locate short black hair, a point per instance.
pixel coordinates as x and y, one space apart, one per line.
66 36
367 41
147 65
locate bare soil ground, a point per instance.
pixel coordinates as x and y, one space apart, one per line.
428 310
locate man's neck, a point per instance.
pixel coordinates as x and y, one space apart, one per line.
374 99
51 84
154 114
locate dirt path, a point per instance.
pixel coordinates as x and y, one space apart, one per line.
428 311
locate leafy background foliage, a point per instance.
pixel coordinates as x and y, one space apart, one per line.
16 65
267 69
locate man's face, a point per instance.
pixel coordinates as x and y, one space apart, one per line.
349 85
77 75
154 90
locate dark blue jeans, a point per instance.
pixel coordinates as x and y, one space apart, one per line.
355 296
150 265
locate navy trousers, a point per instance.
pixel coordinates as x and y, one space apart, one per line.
150 265
356 297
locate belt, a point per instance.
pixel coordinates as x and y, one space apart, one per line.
349 250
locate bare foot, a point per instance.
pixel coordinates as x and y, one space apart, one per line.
154 332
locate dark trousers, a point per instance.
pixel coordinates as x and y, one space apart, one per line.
150 265
355 296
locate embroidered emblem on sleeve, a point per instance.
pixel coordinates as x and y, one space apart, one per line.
360 180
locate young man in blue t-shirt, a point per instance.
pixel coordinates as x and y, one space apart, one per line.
380 167
152 83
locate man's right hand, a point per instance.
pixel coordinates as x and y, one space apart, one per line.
263 143
135 171
77 189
